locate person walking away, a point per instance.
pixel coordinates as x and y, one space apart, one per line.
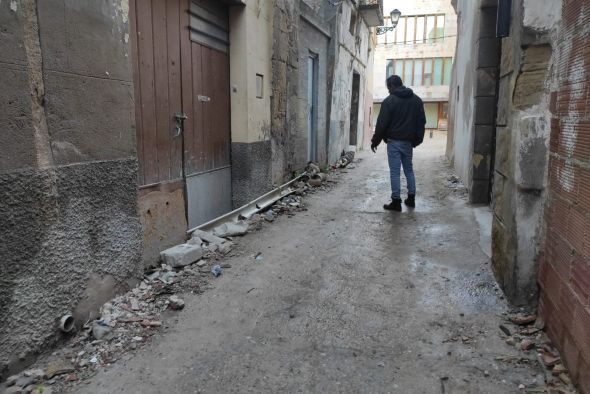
400 124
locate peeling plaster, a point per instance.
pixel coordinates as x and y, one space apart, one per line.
541 15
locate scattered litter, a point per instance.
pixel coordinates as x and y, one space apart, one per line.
216 271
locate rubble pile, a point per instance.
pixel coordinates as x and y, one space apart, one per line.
129 320
525 333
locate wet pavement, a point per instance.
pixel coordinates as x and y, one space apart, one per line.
346 298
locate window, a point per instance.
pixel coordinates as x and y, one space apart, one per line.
410 30
448 68
389 69
418 72
352 27
422 71
400 31
408 72
420 27
427 72
259 86
438 71
399 68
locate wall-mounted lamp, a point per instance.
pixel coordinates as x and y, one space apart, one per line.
394 16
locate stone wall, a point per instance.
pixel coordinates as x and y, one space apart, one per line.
71 236
522 140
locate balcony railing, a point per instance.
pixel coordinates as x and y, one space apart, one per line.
372 12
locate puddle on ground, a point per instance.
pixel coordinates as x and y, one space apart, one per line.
442 286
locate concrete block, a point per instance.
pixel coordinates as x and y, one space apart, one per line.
488 50
503 163
487 22
481 167
182 255
207 237
486 81
479 192
504 105
482 141
507 60
530 85
485 110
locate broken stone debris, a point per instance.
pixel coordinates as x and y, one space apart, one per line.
527 335
208 237
175 302
231 229
182 255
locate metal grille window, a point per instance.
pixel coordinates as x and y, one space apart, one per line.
422 71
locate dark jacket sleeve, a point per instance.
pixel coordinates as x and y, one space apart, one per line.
383 121
420 127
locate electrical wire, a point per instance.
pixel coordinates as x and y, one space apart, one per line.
416 41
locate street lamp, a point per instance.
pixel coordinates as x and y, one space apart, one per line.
394 16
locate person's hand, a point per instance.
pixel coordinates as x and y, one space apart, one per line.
374 147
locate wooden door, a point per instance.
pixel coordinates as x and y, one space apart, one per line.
206 101
184 173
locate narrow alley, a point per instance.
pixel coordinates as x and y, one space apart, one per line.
346 298
190 201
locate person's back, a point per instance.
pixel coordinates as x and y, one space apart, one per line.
400 124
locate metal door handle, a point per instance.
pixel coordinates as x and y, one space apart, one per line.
180 118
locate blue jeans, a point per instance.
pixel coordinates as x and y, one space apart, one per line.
400 153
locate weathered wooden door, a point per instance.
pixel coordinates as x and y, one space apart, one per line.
181 81
206 102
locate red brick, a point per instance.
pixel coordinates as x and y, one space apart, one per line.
581 330
577 229
580 280
550 282
554 140
570 353
553 325
583 182
567 306
559 255
582 149
583 380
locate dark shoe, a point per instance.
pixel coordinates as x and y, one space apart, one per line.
410 201
394 205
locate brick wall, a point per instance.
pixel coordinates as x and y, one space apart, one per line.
565 269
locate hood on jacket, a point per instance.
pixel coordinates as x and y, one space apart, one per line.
403 92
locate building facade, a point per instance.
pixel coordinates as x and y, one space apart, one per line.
420 50
518 137
126 123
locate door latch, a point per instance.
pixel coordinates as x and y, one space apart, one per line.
179 128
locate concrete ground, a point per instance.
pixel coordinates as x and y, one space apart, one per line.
347 298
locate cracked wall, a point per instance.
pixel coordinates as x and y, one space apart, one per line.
71 236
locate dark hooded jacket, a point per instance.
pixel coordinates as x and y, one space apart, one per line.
401 118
